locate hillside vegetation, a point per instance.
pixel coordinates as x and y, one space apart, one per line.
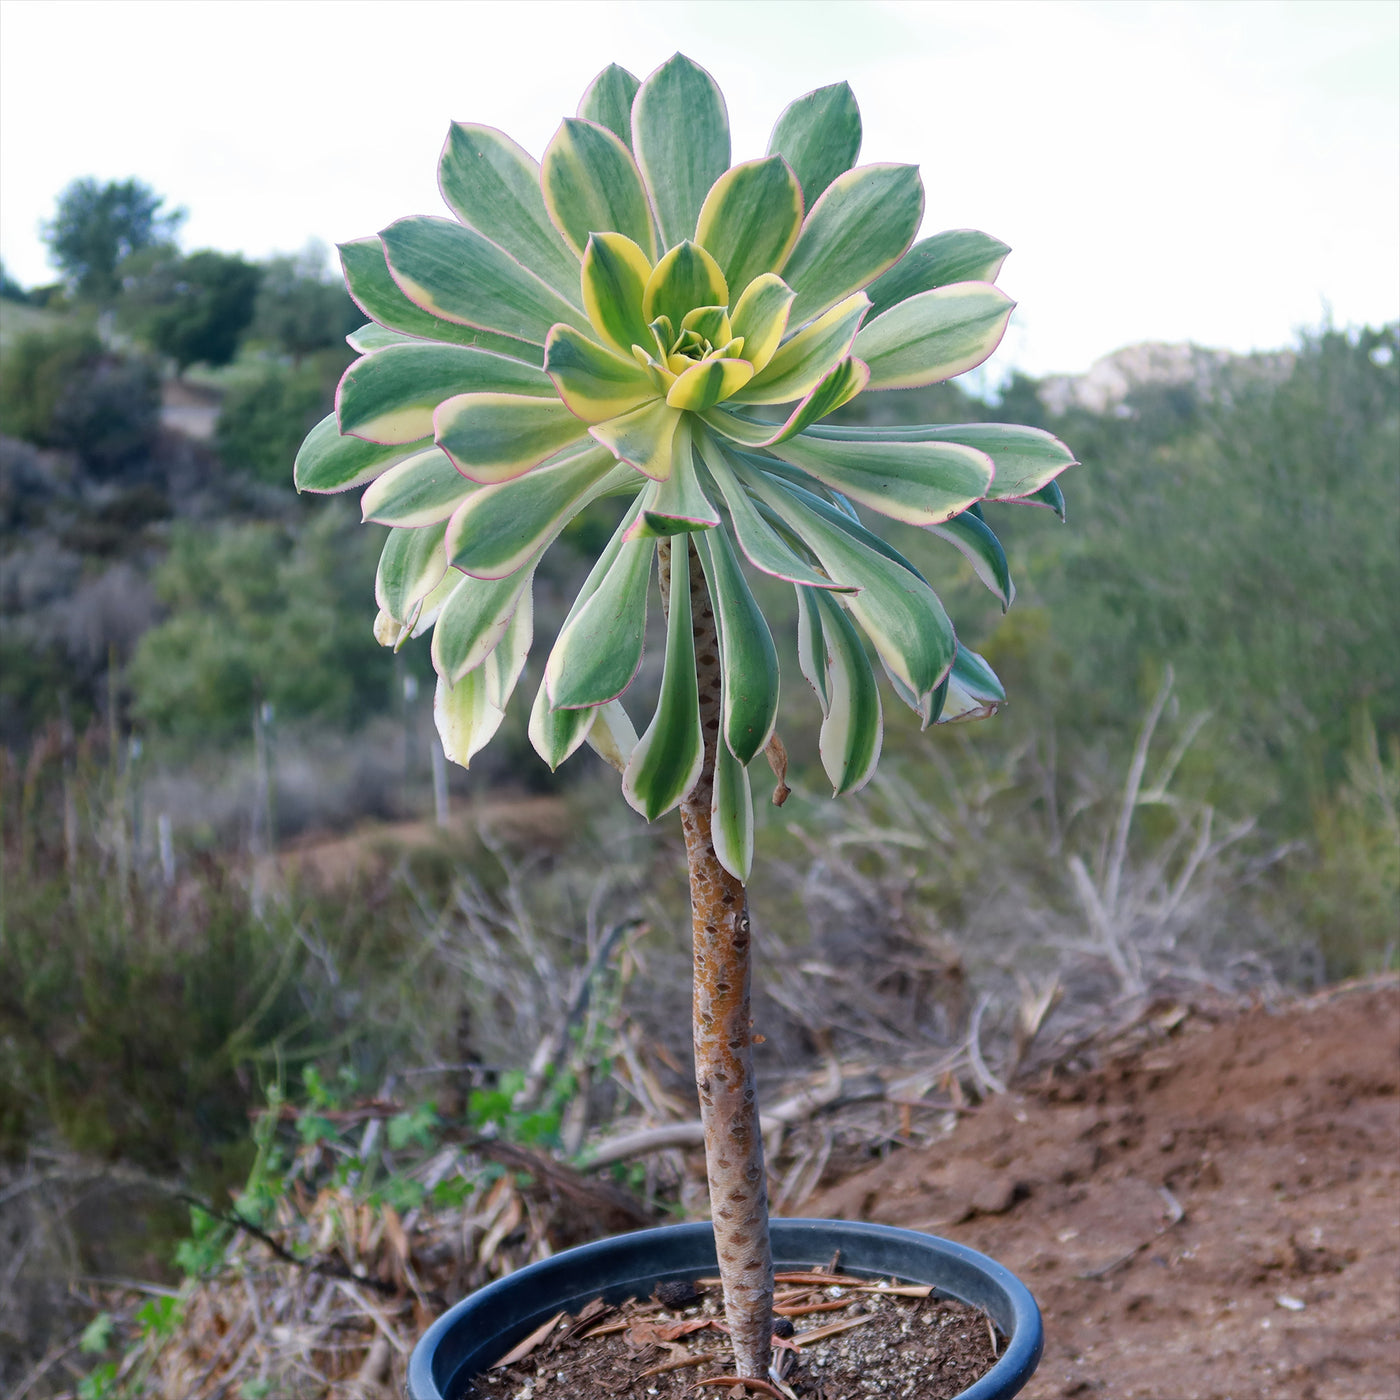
1198 768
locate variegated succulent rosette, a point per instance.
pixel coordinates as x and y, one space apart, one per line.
634 317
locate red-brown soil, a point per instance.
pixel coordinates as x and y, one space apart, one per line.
1274 1136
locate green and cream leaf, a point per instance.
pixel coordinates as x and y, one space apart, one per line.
592 185
330 461
493 186
375 292
595 384
615 276
498 529
803 361
764 548
612 735
644 438
934 335
819 136
424 490
751 218
460 275
920 483
680 132
858 229
974 539
599 650
731 815
898 611
411 564
608 102
390 396
473 621
496 437
959 255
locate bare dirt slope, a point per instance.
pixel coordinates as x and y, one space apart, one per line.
1274 1137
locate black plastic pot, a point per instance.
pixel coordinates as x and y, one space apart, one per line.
482 1328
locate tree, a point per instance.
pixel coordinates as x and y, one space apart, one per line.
194 309
97 226
670 296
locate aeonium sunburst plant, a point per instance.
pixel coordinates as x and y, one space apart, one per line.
633 316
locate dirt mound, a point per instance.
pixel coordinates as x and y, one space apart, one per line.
1214 1216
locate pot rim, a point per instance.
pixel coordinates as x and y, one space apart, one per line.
564 1280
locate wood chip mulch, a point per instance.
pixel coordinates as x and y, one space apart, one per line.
845 1341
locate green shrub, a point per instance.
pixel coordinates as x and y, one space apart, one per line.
62 389
301 308
262 422
193 309
254 617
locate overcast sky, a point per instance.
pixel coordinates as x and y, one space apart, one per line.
1225 173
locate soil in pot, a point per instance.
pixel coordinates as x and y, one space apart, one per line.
845 1341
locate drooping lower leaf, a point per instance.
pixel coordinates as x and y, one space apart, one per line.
748 658
469 713
331 461
411 564
898 611
557 734
612 736
498 528
473 621
667 760
853 729
731 815
981 548
762 545
599 649
423 490
1050 495
974 692
811 647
